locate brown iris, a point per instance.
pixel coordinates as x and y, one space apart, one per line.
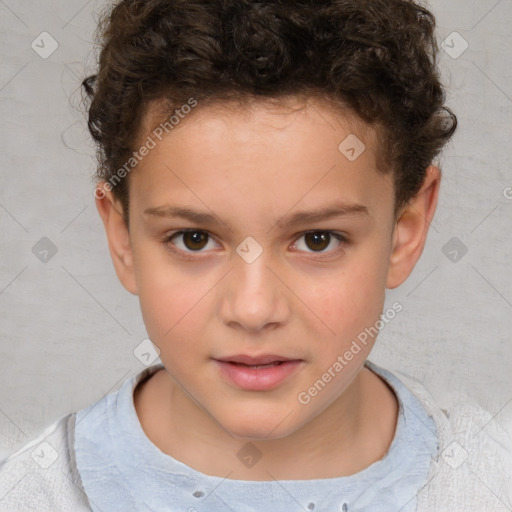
320 239
195 240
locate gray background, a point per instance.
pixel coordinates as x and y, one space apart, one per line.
69 330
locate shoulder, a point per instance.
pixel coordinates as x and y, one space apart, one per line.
42 475
473 466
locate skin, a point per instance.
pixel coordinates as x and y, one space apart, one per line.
248 167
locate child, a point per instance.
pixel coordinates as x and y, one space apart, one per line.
233 138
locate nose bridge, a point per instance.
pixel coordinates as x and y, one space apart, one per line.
255 296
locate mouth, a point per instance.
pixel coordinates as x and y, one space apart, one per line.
264 360
260 373
257 366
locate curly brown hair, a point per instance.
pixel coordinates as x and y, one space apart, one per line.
376 57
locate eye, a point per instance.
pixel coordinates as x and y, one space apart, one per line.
193 240
320 240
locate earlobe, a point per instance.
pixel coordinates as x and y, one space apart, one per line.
411 229
118 237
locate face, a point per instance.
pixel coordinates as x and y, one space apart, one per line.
254 238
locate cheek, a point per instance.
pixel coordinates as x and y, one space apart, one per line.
173 323
169 298
170 312
352 299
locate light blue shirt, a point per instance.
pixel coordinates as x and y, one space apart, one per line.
122 470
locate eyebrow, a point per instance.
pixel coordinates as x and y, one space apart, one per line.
335 210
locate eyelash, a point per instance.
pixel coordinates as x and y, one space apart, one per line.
320 255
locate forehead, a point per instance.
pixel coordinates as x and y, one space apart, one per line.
272 112
261 156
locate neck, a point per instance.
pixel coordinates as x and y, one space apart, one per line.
355 431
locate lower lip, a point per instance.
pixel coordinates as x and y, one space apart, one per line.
258 379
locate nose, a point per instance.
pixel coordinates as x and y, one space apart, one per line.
254 298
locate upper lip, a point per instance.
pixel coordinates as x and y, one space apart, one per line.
250 360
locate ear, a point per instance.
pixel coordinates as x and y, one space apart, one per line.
411 228
118 236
